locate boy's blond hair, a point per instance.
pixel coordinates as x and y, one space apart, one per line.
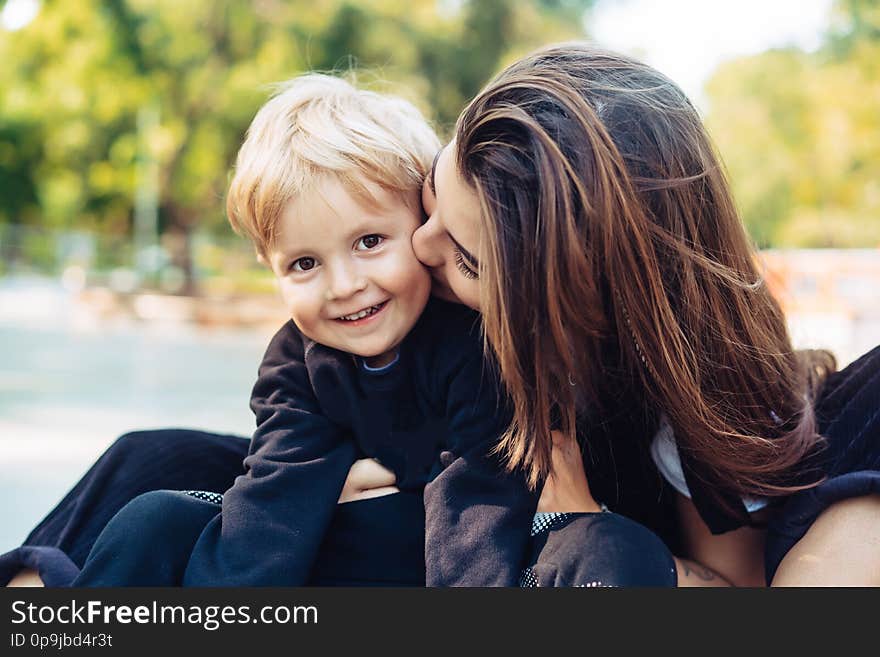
318 125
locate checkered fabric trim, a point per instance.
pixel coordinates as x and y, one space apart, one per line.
215 498
527 579
544 522
595 585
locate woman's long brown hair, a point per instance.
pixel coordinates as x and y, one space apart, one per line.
611 241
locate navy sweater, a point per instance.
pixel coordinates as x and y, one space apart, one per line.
432 418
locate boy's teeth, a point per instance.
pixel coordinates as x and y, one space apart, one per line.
362 313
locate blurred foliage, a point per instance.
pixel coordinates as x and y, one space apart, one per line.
800 135
798 131
76 78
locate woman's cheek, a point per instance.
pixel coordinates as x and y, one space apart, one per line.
443 291
466 291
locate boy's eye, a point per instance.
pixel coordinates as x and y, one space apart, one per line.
303 264
369 242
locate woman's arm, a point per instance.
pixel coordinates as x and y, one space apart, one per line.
690 574
737 556
477 514
567 490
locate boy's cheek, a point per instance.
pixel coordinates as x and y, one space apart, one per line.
421 276
289 298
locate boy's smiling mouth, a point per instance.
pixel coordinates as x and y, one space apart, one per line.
363 315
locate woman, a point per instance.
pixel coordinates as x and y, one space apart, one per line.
581 207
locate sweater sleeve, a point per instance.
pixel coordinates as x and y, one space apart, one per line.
477 516
276 514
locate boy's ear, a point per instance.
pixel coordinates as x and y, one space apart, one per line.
261 259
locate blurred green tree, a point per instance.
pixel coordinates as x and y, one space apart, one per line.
77 78
800 135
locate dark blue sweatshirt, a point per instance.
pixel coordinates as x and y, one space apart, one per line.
432 418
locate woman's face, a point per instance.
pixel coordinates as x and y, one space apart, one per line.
448 242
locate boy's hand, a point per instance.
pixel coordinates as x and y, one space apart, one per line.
367 478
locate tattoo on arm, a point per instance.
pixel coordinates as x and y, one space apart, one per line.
690 568
703 573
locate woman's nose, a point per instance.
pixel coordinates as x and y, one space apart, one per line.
427 243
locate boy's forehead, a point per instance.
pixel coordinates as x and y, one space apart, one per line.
336 204
340 194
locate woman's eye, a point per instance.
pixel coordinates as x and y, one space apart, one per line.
303 264
465 269
369 242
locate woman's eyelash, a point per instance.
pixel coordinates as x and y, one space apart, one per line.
463 267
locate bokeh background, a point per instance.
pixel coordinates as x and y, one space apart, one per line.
126 302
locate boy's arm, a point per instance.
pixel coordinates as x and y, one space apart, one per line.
275 515
477 517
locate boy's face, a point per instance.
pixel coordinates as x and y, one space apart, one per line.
347 271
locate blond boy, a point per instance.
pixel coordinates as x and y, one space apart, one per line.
327 186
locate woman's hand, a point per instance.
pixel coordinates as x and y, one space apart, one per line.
566 488
367 478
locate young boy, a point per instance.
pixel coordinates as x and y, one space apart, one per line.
327 186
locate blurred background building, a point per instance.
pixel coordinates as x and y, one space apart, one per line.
126 301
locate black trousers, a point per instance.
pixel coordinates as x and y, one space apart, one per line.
135 463
94 538
374 542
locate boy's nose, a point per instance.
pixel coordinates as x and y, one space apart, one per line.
344 282
427 245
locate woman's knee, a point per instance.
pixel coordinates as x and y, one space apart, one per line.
603 549
174 458
133 455
121 449
143 446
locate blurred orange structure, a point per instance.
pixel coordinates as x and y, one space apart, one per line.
830 296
